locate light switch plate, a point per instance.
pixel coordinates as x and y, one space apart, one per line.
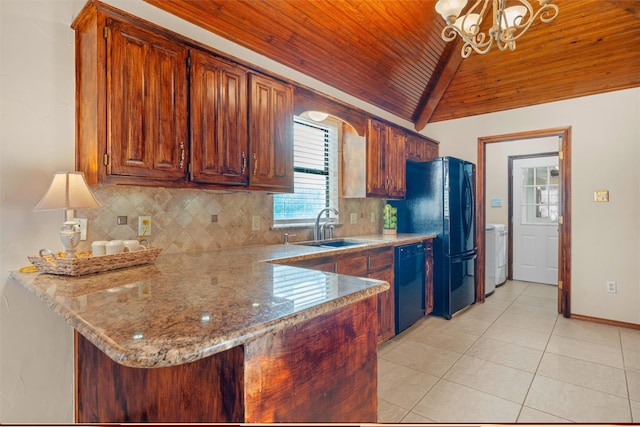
354 217
601 196
83 228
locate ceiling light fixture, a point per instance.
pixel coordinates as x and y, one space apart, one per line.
509 22
317 116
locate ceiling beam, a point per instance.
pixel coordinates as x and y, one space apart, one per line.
433 95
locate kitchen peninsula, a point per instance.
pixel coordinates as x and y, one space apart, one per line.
223 336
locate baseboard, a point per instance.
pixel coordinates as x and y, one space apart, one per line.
605 321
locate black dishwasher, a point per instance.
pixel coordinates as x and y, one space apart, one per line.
409 284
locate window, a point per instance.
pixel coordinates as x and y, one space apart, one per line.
315 174
540 195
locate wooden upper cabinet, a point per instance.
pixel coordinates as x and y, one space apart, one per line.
147 118
386 168
270 134
396 165
219 134
376 166
420 149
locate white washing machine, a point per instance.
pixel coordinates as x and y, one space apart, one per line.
501 253
489 259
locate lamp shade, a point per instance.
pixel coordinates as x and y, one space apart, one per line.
68 190
513 16
450 8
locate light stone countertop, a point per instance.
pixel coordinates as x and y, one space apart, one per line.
188 306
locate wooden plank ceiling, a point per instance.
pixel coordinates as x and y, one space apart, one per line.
390 53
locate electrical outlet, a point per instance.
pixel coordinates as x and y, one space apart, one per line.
354 217
255 223
373 216
144 225
83 228
612 287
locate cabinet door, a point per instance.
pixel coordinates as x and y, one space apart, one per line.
219 137
146 104
420 149
386 309
352 264
431 150
271 134
376 166
396 162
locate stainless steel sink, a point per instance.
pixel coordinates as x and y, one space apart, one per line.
333 243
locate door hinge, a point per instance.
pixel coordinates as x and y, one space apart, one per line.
560 284
561 155
105 32
561 219
105 159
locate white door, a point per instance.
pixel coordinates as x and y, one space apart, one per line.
535 219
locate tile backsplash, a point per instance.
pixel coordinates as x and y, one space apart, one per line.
182 218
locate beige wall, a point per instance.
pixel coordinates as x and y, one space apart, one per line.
37 139
605 155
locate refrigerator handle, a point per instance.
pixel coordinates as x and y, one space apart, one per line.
469 211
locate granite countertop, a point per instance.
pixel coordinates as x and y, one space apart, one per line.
188 306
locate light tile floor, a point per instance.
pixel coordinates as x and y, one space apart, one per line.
511 359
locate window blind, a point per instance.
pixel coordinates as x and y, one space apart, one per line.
313 159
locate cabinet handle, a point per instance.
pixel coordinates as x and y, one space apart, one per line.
181 155
244 163
255 163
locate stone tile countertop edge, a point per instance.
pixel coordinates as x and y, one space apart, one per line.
185 307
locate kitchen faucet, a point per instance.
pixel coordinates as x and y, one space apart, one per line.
318 230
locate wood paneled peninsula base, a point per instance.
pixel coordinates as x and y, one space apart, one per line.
321 370
222 337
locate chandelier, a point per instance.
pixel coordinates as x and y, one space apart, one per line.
509 23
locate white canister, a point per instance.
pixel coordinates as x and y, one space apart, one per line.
133 245
98 248
114 247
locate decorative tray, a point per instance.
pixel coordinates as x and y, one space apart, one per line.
48 262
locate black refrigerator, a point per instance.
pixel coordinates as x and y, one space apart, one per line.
440 200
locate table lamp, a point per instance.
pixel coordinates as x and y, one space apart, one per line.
68 191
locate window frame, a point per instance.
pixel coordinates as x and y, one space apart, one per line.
332 128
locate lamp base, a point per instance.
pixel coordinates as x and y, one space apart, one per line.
70 237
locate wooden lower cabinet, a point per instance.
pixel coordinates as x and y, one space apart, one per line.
320 370
386 306
372 263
